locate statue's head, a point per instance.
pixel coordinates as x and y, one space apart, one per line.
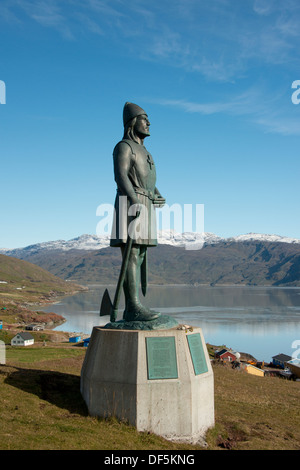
135 121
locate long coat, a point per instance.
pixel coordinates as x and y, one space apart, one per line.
135 176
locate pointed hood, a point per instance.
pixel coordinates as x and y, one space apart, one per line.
131 111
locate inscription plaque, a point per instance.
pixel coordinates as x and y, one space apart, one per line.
197 354
161 358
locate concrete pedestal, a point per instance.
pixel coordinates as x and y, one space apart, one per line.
159 381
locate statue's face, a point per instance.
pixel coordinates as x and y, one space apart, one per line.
142 125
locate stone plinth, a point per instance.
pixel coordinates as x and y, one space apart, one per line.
158 380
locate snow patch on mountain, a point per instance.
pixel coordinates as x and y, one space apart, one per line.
188 240
263 237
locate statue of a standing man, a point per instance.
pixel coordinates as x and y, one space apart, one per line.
136 198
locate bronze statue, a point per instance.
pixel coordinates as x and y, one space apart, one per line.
134 227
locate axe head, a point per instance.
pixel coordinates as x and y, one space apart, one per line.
106 304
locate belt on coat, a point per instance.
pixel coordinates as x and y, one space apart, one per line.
145 192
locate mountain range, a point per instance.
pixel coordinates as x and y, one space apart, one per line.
188 258
188 240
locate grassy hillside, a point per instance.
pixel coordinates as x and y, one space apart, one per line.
23 280
23 283
41 408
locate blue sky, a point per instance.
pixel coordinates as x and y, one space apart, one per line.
215 78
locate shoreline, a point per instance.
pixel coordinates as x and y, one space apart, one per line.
256 286
258 352
26 312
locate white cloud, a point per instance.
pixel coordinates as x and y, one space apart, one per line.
248 103
273 113
263 7
220 39
46 13
287 126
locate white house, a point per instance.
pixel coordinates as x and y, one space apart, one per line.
22 339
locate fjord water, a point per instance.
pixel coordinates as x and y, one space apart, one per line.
262 321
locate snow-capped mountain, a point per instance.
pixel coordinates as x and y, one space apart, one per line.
188 240
188 258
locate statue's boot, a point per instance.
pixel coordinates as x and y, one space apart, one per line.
135 311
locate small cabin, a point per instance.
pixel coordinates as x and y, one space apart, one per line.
253 370
227 355
22 339
280 360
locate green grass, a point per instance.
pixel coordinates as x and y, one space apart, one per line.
30 355
41 408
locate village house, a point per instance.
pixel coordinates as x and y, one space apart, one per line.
227 355
280 360
22 339
294 367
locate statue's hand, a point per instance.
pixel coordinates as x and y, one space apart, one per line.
159 201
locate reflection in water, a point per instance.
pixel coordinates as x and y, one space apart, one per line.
263 321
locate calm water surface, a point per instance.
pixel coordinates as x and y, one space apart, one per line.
263 321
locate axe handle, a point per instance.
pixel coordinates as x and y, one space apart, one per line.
122 275
144 280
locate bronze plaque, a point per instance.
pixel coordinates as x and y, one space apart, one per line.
197 353
161 358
